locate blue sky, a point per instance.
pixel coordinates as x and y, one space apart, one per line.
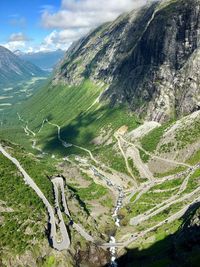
37 25
23 16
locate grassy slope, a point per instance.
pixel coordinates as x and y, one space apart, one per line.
67 107
60 104
22 231
22 200
150 141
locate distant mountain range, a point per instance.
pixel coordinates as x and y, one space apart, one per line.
44 60
117 129
13 69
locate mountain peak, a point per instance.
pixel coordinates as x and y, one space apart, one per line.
13 69
18 52
141 58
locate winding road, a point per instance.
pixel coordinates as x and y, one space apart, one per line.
137 189
59 245
126 161
59 183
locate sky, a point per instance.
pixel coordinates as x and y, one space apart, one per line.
46 25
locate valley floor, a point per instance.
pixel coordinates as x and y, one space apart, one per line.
142 205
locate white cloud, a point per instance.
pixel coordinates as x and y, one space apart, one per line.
61 39
15 45
76 18
87 13
17 41
73 20
118 6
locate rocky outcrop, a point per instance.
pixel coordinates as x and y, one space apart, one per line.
91 256
148 58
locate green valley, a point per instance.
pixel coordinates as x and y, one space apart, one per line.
100 162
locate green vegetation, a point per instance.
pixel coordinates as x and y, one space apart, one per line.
112 159
144 156
107 202
60 104
134 169
27 218
167 148
78 125
86 126
195 158
193 182
151 198
49 262
39 170
150 141
55 103
16 134
134 197
171 172
169 184
188 134
196 174
20 92
93 191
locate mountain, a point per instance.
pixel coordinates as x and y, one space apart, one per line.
13 69
148 58
113 143
45 60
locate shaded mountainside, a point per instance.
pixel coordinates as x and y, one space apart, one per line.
123 177
13 69
180 249
148 58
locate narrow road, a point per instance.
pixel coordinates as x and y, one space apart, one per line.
144 188
42 125
163 159
154 156
141 218
65 144
142 167
83 233
63 229
59 183
170 219
167 203
126 161
121 244
89 152
31 132
65 243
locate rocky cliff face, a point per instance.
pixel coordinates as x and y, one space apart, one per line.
148 58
